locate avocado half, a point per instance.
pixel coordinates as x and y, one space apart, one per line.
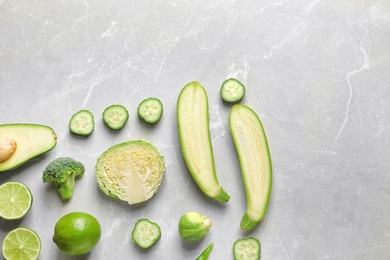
30 140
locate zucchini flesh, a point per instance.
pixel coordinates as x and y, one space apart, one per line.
194 134
255 161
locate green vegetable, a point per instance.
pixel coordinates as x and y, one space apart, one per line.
20 143
205 254
193 226
63 172
131 171
247 249
150 110
146 233
115 116
195 141
232 90
82 123
255 161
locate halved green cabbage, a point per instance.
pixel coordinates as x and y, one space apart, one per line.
131 171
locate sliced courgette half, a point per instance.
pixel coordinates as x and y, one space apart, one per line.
255 162
194 134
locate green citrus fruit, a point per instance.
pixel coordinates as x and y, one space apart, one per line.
76 233
21 244
15 200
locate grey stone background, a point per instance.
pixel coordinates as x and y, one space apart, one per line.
316 72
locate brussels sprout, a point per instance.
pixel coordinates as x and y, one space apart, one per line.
193 226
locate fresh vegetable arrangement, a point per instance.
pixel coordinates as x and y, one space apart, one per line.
132 171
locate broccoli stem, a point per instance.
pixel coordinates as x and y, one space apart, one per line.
65 189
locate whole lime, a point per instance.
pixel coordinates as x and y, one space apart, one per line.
76 233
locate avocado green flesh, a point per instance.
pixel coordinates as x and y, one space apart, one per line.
194 135
255 162
131 171
31 139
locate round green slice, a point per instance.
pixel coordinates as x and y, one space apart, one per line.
82 123
150 110
232 90
21 244
247 248
15 200
115 116
146 233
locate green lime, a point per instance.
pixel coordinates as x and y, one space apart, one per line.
22 244
15 200
76 233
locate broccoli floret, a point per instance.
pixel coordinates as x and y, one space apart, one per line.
63 172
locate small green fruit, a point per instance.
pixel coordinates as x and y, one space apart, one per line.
76 233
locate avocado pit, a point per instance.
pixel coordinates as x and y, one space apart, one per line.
7 148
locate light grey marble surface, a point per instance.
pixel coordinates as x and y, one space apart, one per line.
316 72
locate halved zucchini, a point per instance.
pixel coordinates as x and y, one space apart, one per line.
194 134
255 161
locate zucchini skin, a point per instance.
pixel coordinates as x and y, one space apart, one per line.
255 162
195 141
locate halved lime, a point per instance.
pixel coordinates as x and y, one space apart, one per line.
22 244
15 200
